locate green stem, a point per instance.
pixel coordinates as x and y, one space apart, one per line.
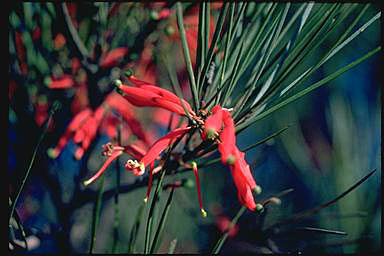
116 221
55 107
224 237
160 228
96 214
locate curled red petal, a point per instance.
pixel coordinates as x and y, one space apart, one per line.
135 151
104 167
162 144
169 105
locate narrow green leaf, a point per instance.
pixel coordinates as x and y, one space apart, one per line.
230 85
135 229
200 52
306 90
263 58
309 71
226 49
157 239
275 134
187 58
349 39
213 161
116 220
175 84
148 231
267 84
96 214
312 211
215 39
257 41
207 17
305 45
321 230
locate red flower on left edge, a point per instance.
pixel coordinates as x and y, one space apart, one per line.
84 126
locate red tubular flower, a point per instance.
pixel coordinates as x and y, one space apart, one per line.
244 192
63 82
232 156
113 57
228 139
117 102
75 124
112 152
161 92
88 131
137 96
135 151
141 97
213 124
169 105
138 168
195 171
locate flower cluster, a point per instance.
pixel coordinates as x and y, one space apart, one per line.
230 154
84 126
218 126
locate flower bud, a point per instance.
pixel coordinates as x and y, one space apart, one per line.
259 207
257 189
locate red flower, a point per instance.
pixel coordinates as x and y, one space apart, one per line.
231 155
124 108
138 167
228 139
113 57
75 124
112 153
147 95
213 124
63 82
243 180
